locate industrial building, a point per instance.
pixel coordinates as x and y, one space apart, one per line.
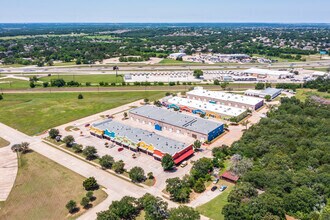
260 73
223 98
137 139
263 93
164 119
208 109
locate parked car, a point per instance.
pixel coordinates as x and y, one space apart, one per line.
184 163
223 188
87 125
214 188
216 180
120 149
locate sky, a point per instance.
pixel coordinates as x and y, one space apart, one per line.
269 11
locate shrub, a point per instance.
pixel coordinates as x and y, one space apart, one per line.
90 184
80 96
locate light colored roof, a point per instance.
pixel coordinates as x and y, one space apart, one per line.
226 96
161 143
177 119
267 72
196 104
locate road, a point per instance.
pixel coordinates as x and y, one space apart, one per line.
126 68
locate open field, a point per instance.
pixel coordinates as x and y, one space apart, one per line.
14 84
171 61
213 208
36 113
42 189
95 79
3 142
303 94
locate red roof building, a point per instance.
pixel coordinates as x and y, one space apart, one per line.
229 176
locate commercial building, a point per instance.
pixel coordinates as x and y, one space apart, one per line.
223 98
268 73
137 139
208 109
263 93
164 119
176 55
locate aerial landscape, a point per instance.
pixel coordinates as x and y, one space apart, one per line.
165 110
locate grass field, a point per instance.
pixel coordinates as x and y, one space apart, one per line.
171 61
303 94
42 189
14 84
95 79
213 208
34 113
3 142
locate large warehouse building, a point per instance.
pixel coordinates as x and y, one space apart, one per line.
163 119
223 98
206 108
272 92
137 139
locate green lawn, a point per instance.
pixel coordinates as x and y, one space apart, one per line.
35 113
94 79
13 84
65 63
42 189
303 94
213 208
171 61
3 142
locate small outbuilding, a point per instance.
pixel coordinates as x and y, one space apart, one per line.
229 176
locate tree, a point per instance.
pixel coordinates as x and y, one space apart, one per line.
197 145
1 97
126 208
216 82
150 175
183 213
136 174
53 133
45 84
32 85
154 207
90 152
90 184
71 206
146 100
25 147
268 98
224 85
201 168
260 86
242 166
125 115
178 189
106 161
167 162
199 186
107 215
22 147
80 96
90 195
85 202
77 148
68 140
118 166
198 73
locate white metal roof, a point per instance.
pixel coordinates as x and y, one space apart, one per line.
196 104
267 72
226 96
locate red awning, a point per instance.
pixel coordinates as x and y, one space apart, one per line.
184 156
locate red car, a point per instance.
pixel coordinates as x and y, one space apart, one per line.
120 149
